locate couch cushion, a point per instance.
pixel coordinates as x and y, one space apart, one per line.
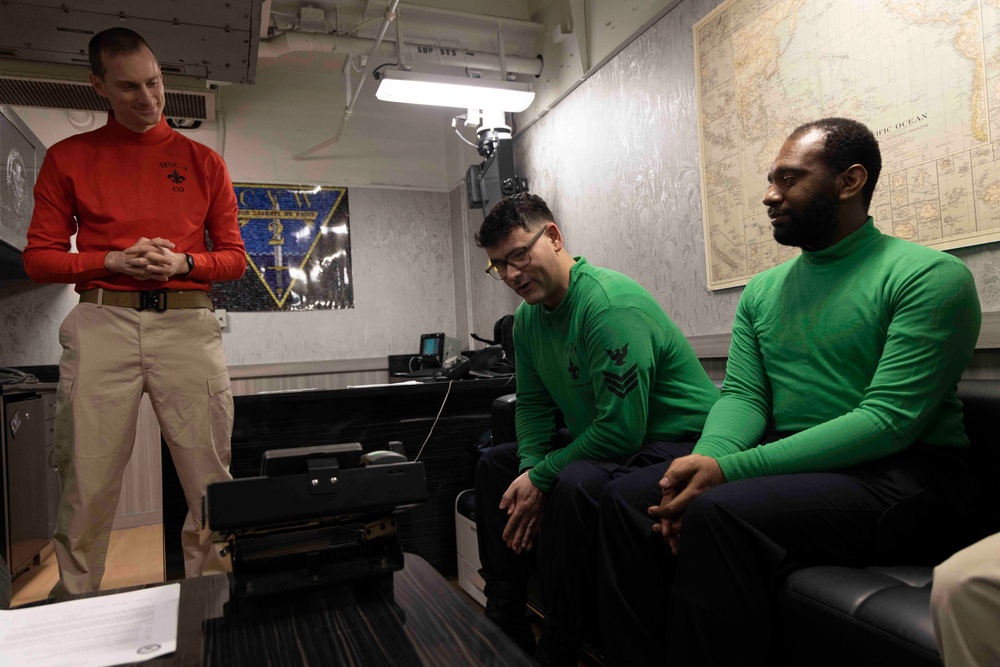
831 615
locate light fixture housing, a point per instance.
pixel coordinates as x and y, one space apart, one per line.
453 91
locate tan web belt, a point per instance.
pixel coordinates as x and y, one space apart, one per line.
158 300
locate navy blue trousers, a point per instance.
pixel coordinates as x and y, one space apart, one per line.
565 553
712 604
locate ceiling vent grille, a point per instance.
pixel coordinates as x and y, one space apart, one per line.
51 94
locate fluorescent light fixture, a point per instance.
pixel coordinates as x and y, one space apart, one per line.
453 91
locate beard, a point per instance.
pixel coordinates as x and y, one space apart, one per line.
813 228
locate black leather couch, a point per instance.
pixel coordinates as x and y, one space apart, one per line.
878 616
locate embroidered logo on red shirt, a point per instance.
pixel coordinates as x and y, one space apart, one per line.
176 176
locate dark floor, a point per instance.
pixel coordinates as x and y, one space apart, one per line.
585 660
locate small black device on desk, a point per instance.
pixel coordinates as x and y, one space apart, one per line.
431 349
427 362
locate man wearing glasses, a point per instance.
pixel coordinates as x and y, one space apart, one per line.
596 347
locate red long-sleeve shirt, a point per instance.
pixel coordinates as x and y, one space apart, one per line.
112 186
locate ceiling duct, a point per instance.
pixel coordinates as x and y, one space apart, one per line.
417 54
214 41
75 95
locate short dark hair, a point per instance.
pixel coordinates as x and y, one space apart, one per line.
848 142
522 210
113 42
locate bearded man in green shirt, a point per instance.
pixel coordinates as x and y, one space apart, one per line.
595 346
852 352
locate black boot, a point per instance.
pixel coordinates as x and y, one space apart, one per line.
507 607
557 647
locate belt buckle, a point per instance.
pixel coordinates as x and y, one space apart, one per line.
153 300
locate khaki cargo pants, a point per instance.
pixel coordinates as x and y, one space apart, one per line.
111 355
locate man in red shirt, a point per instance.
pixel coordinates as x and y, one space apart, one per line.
140 198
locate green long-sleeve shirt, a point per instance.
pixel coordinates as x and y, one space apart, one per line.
857 349
617 367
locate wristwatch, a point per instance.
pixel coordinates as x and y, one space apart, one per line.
190 261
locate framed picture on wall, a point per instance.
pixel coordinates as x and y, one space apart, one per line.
21 155
298 246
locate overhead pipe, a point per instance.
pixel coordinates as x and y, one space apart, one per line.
471 16
418 54
390 16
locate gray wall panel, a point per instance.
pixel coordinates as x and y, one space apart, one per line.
618 163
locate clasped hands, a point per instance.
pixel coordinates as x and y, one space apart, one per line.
687 478
147 259
524 503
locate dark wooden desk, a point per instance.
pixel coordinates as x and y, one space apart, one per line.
429 624
373 416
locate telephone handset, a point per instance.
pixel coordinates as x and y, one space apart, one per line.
482 360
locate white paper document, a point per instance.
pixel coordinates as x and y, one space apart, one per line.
95 632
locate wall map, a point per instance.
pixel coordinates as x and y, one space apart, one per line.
924 75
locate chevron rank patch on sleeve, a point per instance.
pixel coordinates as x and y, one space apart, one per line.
622 385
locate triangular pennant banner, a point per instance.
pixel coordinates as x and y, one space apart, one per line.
280 228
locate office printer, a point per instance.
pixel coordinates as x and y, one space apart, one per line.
318 516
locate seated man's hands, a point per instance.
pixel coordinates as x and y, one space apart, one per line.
147 259
524 503
687 478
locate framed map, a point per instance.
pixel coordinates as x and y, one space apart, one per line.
298 246
924 75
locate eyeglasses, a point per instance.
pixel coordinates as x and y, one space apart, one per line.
518 258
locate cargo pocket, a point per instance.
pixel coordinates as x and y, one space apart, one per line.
220 400
64 425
